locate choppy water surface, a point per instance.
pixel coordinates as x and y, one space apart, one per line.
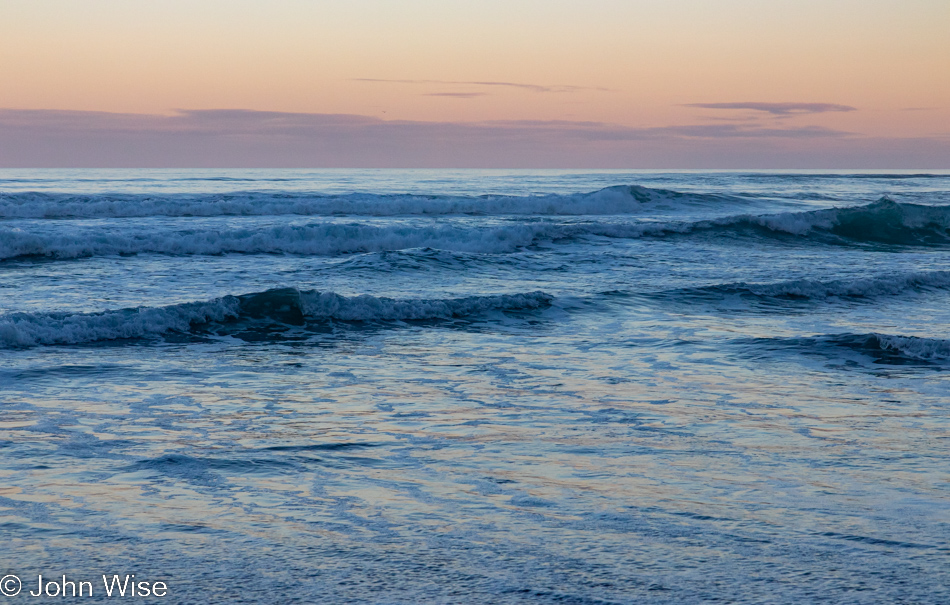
478 387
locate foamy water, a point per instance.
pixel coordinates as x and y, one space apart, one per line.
477 386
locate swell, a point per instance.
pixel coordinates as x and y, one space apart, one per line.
882 348
619 199
844 176
278 307
882 222
315 239
868 289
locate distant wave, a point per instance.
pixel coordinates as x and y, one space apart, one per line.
883 222
315 239
843 176
883 348
620 199
281 306
806 289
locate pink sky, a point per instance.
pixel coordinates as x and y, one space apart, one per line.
515 83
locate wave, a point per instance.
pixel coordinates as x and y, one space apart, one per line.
316 239
844 176
619 199
323 239
285 306
913 347
882 348
805 289
883 222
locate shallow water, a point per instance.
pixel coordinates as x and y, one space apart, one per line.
477 386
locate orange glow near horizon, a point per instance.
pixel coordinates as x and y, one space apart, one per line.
888 59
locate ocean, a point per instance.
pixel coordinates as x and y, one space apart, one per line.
450 386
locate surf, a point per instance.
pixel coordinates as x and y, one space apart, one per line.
276 307
616 199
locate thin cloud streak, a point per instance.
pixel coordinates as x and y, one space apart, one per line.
457 95
522 86
778 109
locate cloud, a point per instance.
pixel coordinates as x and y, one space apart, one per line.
244 122
530 87
746 131
456 95
601 131
778 109
246 138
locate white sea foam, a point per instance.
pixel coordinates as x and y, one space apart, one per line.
926 349
31 329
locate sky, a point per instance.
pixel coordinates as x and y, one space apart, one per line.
483 83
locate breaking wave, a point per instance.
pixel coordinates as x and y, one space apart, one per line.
286 306
619 199
315 239
882 348
883 222
925 349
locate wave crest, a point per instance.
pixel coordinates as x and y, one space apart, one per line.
888 349
618 199
884 221
280 306
805 289
316 239
927 349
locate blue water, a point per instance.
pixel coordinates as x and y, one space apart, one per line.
477 386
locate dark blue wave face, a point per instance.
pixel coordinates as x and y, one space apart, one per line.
477 386
273 312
